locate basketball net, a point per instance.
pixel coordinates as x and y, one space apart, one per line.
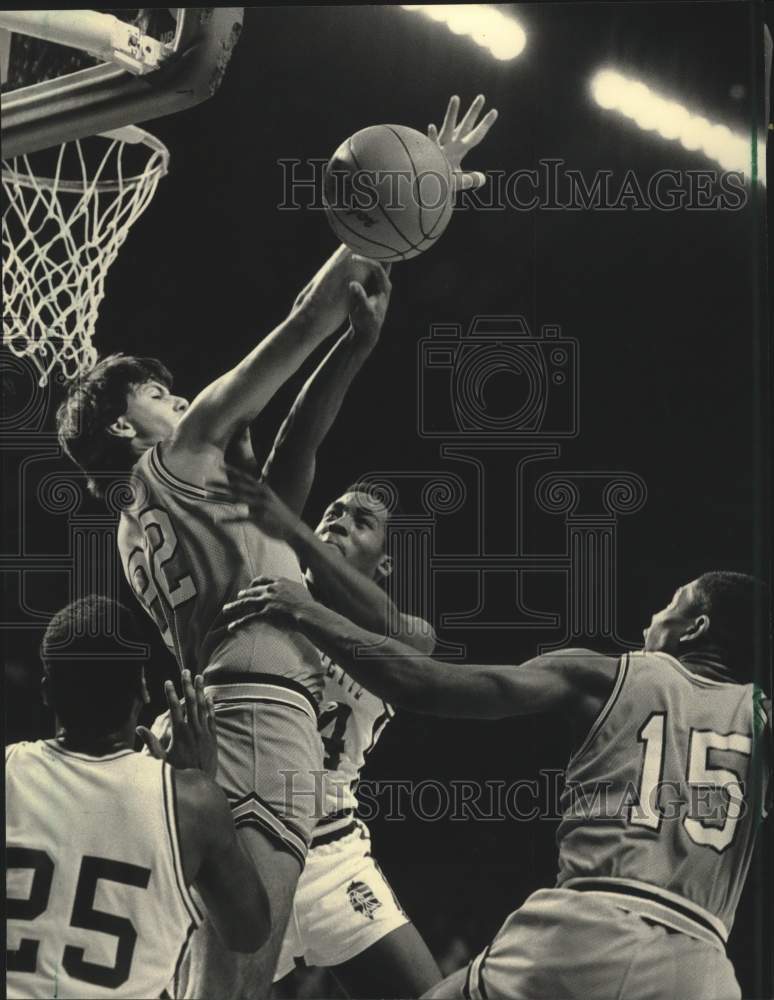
67 212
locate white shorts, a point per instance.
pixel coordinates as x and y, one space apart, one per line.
343 905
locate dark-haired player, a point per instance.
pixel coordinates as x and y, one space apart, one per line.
664 791
103 843
345 914
184 557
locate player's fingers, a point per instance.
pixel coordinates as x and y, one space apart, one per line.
175 708
232 626
242 488
432 132
261 581
201 701
235 609
471 180
235 519
151 742
471 115
212 723
191 707
242 478
378 277
474 137
382 280
449 120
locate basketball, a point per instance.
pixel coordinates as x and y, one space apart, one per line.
388 192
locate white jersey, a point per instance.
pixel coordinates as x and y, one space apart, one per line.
97 905
351 722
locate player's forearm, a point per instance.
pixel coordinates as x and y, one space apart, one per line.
341 587
235 399
290 466
318 403
395 672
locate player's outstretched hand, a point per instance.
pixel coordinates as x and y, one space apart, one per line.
368 302
194 730
265 508
267 597
457 140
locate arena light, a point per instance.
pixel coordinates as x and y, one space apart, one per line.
487 26
654 112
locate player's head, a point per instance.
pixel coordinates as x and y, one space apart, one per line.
355 524
114 413
720 612
89 682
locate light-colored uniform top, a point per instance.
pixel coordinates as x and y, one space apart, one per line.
665 795
186 551
97 904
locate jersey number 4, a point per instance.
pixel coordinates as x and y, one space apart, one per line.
334 720
84 915
700 775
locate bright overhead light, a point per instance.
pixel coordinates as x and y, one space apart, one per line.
487 26
671 120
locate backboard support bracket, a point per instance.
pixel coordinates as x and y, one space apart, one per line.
102 35
107 97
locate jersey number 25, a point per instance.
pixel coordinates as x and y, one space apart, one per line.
84 915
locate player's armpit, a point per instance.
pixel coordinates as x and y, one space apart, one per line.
215 863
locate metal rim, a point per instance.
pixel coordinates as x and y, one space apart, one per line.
130 134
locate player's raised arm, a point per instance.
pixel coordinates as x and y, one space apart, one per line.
576 682
290 468
235 399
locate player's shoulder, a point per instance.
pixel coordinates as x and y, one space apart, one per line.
188 462
581 660
18 750
583 679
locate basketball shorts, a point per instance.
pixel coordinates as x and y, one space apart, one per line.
270 756
569 945
343 904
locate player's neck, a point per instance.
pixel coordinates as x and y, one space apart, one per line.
97 744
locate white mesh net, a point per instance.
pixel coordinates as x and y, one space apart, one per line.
67 212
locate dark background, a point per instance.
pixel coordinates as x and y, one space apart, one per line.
665 306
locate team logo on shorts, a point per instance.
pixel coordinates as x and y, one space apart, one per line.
362 899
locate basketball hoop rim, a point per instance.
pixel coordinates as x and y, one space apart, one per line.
130 134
